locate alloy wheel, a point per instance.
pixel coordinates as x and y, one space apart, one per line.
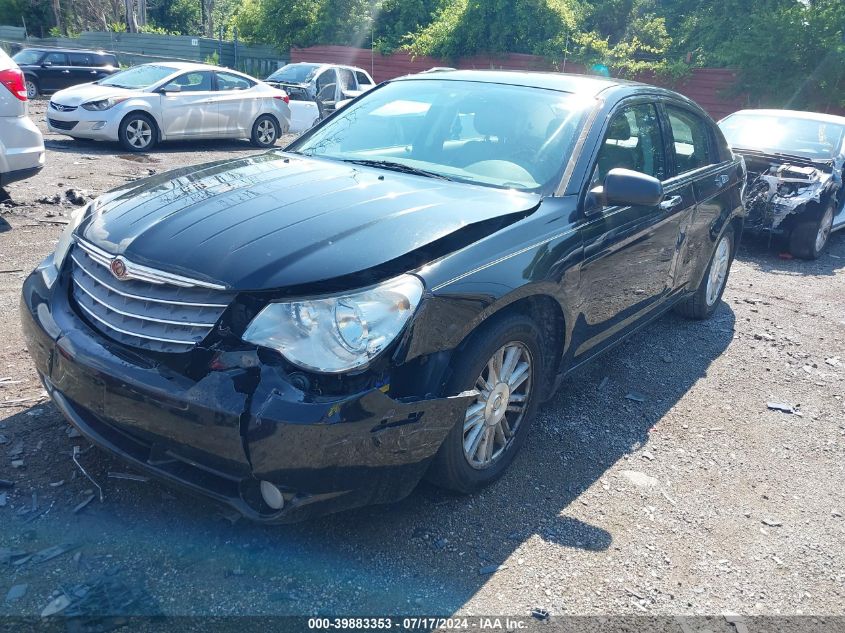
139 133
718 270
31 90
491 422
824 229
266 132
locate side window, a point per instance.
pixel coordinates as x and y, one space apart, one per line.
347 79
198 81
362 78
691 139
80 59
228 81
56 59
633 141
105 60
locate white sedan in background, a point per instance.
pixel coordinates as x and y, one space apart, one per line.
168 101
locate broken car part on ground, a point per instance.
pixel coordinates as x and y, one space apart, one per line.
795 163
316 329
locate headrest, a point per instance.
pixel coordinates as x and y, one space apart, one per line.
620 129
492 120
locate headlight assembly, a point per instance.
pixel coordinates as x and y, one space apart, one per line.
103 104
337 334
51 266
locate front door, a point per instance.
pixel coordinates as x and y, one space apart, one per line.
83 68
188 106
629 252
55 72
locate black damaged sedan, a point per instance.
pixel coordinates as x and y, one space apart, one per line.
392 297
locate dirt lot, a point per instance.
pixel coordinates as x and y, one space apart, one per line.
696 500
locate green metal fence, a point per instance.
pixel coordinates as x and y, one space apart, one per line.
140 48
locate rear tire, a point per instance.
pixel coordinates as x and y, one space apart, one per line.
138 132
32 90
265 131
704 302
808 239
482 445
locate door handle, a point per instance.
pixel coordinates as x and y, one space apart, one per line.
722 180
671 203
65 72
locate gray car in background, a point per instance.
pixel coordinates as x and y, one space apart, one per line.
21 144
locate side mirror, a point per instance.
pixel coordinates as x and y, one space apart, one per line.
171 88
624 187
46 64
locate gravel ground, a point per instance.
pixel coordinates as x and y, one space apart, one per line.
698 499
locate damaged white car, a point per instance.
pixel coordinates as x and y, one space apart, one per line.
795 164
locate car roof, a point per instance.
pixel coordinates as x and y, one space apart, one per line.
795 114
563 82
65 50
182 66
325 65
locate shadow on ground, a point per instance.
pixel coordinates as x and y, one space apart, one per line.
427 554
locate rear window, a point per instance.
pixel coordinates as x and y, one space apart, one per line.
81 59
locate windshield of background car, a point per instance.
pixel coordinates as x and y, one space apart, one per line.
784 134
138 77
294 73
497 135
27 57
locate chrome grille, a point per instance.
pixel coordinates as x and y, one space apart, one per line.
152 310
61 108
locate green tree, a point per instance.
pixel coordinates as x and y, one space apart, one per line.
176 16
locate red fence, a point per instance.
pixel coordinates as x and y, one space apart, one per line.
710 87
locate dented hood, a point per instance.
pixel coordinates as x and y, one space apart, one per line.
276 220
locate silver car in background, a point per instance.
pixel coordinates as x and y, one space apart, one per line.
21 145
165 101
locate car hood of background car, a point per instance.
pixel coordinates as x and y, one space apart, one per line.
276 220
89 92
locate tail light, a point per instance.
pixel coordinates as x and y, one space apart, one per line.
12 78
284 97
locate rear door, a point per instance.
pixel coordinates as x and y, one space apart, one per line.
54 73
629 251
82 68
713 175
238 104
192 111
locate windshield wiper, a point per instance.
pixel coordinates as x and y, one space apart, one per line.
393 166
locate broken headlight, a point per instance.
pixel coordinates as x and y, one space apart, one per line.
341 333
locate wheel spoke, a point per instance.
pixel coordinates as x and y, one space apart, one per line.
520 375
494 368
483 386
512 355
500 434
473 440
488 444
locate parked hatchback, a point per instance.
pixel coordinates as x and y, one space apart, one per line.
166 101
21 145
393 296
49 70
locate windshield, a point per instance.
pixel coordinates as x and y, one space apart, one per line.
490 134
294 73
138 77
784 135
27 57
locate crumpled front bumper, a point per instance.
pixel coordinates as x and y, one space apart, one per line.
223 434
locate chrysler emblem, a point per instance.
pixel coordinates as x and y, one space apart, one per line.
118 268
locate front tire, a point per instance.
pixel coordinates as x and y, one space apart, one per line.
138 133
706 299
808 239
503 362
265 131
